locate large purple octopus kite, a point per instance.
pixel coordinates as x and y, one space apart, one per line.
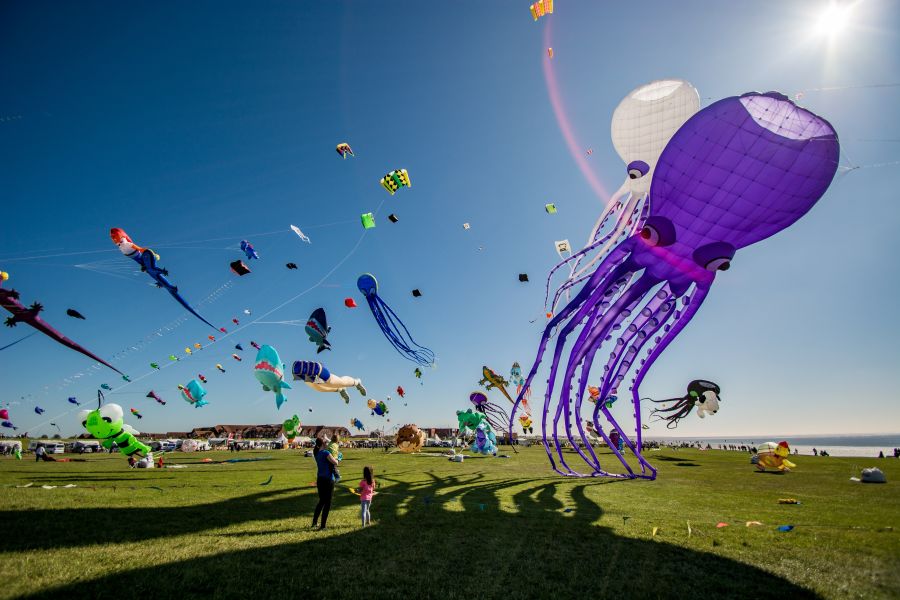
736 173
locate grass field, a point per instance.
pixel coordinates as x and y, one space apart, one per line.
488 527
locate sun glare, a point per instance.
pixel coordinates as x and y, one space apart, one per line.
834 20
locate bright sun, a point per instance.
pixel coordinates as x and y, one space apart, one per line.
835 19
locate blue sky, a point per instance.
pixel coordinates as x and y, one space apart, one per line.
195 126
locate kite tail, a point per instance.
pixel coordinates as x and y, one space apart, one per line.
49 331
184 303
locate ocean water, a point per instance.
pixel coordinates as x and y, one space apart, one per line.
837 445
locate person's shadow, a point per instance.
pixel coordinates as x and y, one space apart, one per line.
450 537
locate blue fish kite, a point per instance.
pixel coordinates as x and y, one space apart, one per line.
38 410
317 328
269 371
193 393
248 249
146 258
72 400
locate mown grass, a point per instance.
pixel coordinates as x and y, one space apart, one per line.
484 528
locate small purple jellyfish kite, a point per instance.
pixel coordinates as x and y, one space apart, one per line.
495 415
736 173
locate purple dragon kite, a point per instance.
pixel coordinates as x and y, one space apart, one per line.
9 299
736 173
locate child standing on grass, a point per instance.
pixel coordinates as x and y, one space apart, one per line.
366 491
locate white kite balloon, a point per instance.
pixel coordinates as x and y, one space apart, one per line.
642 125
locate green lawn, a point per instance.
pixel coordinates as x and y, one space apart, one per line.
488 527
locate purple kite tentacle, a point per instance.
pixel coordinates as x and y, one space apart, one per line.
604 307
680 323
591 337
583 302
646 314
616 379
592 306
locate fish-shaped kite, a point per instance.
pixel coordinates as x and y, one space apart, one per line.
135 412
193 393
400 391
73 400
146 258
38 410
317 329
155 396
269 371
220 368
75 314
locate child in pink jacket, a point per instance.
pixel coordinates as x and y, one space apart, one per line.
366 491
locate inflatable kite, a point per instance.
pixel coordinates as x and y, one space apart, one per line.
391 325
319 378
752 166
193 393
236 357
700 393
291 427
9 425
220 368
248 249
349 302
642 125
75 314
4 413
153 365
155 396
73 400
395 180
400 391
344 150
292 266
409 439
525 422
9 299
238 347
135 412
494 414
379 408
146 258
301 235
202 378
107 424
268 371
485 441
774 456
38 410
357 424
317 329
106 387
418 373
254 344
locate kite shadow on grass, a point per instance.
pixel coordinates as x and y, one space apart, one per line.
529 543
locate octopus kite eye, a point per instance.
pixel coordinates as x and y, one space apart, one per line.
658 231
715 257
637 169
